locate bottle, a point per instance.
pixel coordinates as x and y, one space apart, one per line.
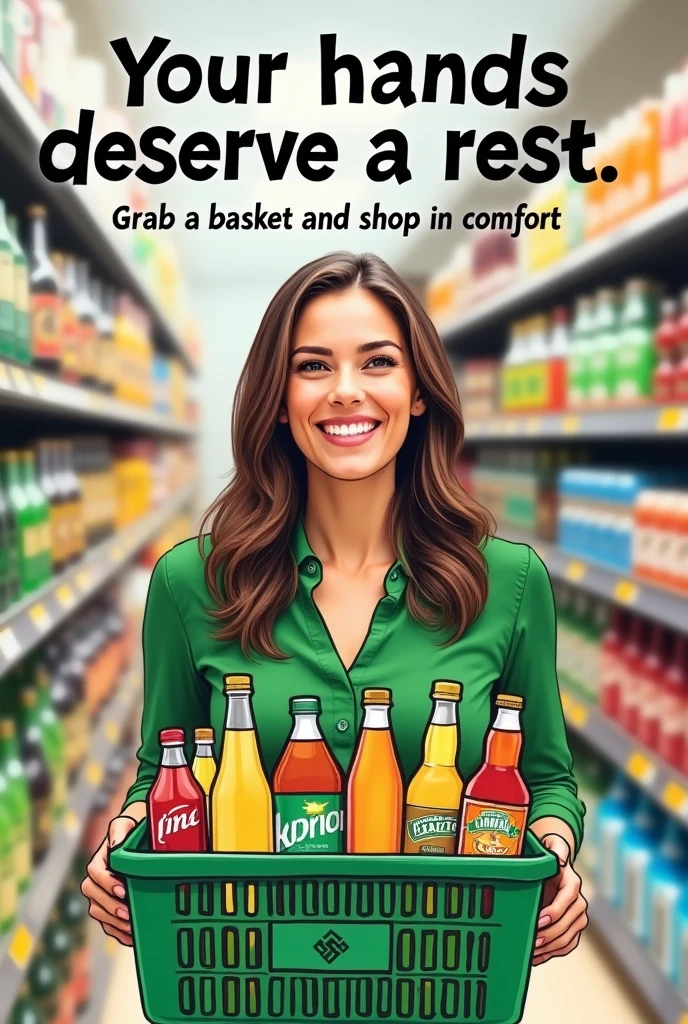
50 486
176 803
307 784
7 336
681 370
606 339
28 541
559 352
74 914
666 343
54 744
104 338
58 945
652 675
9 581
375 790
666 877
672 721
22 337
8 875
71 368
44 982
638 846
86 316
614 814
495 808
107 339
204 766
78 536
18 802
37 773
434 792
578 374
240 801
45 297
41 513
26 1009
632 656
634 363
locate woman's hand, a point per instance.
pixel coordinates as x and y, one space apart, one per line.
105 891
565 911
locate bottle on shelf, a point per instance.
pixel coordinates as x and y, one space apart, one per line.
74 914
10 579
652 672
44 983
27 1010
86 317
58 945
54 744
666 877
18 801
603 349
667 339
104 338
41 516
8 867
22 303
28 541
69 701
37 773
632 655
375 789
638 846
69 325
559 352
7 315
50 485
681 370
45 297
635 355
578 370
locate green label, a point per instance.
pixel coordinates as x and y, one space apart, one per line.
309 823
494 821
432 825
331 946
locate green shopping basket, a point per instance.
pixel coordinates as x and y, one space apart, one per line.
269 937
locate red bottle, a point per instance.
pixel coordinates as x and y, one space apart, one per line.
681 370
612 646
672 740
666 343
632 656
652 688
176 803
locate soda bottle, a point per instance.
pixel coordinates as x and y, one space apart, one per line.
434 793
240 799
666 343
58 945
71 341
44 982
672 722
71 490
27 538
7 339
681 369
22 336
74 915
8 873
176 803
37 773
50 486
45 298
86 317
204 766
612 645
41 512
307 783
632 655
375 790
53 743
650 703
613 819
496 801
635 355
606 340
9 579
582 339
27 1010
18 802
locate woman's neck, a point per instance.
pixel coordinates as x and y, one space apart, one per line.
346 521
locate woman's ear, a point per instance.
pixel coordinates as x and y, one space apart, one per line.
282 415
418 405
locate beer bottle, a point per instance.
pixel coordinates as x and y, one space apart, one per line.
24 519
54 743
496 800
26 1010
375 791
307 783
434 793
10 585
22 336
44 982
69 701
7 341
176 803
18 802
73 910
50 486
204 766
45 297
58 944
240 799
37 773
8 875
41 515
86 317
72 489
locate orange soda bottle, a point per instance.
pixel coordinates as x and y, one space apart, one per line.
375 790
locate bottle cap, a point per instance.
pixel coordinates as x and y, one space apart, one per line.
377 697
446 689
28 698
244 683
6 728
304 705
171 737
508 700
204 735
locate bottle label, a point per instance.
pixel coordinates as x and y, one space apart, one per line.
21 289
8 886
43 824
45 320
430 830
491 829
309 823
6 293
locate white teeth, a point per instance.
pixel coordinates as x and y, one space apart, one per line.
347 430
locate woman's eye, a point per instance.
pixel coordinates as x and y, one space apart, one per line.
378 362
311 365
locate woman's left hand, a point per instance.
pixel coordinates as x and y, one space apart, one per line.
564 914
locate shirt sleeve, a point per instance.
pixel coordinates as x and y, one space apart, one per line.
174 692
530 672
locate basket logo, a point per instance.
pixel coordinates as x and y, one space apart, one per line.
173 821
494 821
330 946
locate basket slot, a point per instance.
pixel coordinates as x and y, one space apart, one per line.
487 902
470 914
228 899
484 951
304 997
451 950
363 1000
254 949
428 950
450 999
406 949
186 994
331 998
385 1000
365 902
310 898
387 899
276 997
405 997
430 899
408 899
206 899
453 900
185 948
251 890
427 999
231 995
230 947
182 899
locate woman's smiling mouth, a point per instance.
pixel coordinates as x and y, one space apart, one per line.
347 432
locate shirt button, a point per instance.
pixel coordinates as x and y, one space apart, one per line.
342 725
311 567
395 576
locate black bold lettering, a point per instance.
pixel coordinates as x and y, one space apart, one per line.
397 158
183 62
80 139
307 154
330 65
137 70
162 156
238 93
513 65
456 141
532 148
401 79
434 64
558 84
199 146
114 146
496 146
266 65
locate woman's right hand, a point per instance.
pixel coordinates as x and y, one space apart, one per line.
105 891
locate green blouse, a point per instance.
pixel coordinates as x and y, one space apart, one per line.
509 648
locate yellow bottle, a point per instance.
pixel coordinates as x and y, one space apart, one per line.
240 800
204 766
434 793
375 791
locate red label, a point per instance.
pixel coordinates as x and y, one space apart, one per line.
45 326
177 827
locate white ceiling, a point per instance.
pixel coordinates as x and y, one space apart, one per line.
226 27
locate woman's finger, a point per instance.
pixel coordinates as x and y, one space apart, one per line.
567 892
122 937
556 945
558 928
97 895
543 958
101 915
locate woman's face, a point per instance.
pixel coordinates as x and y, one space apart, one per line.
351 386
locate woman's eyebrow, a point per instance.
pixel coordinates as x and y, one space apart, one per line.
368 346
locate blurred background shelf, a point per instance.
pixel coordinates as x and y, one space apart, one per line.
659 423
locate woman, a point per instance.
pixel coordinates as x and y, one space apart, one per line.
344 553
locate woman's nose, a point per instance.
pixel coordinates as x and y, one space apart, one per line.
347 388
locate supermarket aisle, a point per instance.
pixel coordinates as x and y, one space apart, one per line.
584 987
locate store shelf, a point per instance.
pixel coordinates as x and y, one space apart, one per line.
103 950
636 963
25 389
23 131
668 787
25 624
646 234
661 606
48 879
663 423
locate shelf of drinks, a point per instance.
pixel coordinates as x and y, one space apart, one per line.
103 950
662 422
662 606
26 389
23 131
659 995
645 233
47 881
25 624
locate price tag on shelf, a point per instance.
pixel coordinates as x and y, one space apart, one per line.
40 384
40 616
570 424
575 571
641 768
71 822
511 426
626 591
83 580
675 798
4 377
94 773
20 377
111 731
65 595
578 714
116 553
95 400
9 645
671 419
21 946
534 426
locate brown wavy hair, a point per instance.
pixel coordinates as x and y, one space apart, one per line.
437 529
